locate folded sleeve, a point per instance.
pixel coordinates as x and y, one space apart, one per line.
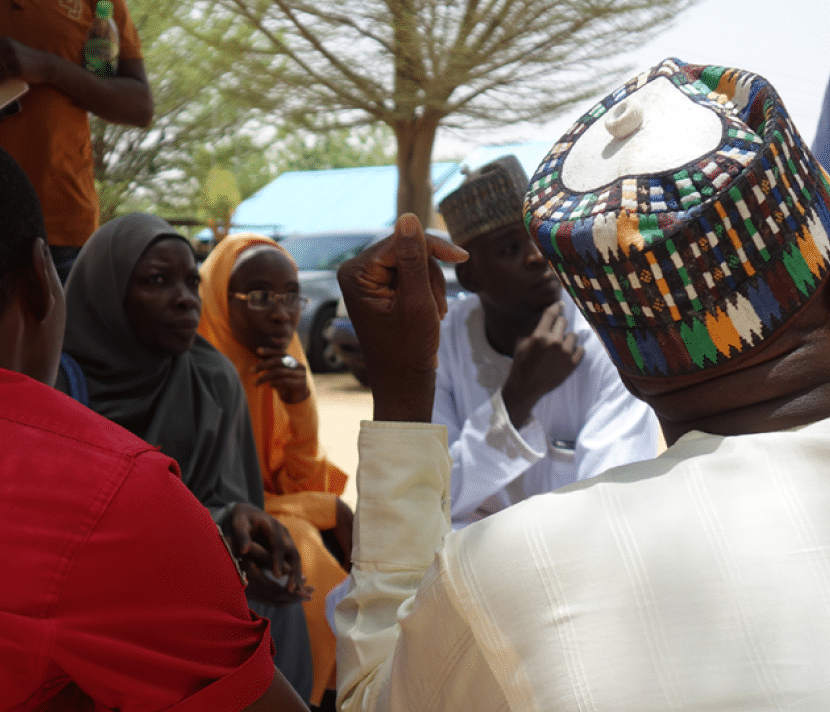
401 518
152 614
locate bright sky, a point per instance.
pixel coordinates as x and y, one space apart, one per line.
786 42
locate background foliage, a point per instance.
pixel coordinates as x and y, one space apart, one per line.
257 87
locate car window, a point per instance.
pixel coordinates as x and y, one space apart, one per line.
324 252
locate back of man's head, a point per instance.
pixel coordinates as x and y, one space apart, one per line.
490 198
22 224
687 219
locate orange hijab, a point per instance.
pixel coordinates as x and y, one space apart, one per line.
290 456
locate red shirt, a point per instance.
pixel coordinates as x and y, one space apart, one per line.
116 581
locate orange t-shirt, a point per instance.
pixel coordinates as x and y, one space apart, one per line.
50 138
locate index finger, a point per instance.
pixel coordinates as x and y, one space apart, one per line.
379 262
549 317
445 251
439 249
416 253
241 533
293 567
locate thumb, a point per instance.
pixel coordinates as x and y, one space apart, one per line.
241 532
411 259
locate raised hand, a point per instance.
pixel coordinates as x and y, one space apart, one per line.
394 291
541 362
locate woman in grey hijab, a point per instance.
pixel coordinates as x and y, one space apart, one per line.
133 306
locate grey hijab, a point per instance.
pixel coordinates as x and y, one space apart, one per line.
191 406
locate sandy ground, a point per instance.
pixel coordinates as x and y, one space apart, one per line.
342 403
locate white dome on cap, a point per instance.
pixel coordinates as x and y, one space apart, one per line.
670 131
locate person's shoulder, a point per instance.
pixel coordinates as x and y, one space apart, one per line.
121 13
458 310
27 404
208 356
458 333
217 370
59 451
562 512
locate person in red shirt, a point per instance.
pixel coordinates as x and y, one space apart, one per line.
119 591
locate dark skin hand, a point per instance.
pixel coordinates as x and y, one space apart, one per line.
123 99
262 543
541 362
343 530
394 291
291 384
279 696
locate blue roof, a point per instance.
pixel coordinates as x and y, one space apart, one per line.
318 201
355 198
530 155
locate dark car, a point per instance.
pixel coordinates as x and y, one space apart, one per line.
341 334
318 255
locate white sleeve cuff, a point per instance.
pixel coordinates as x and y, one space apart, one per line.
528 443
403 494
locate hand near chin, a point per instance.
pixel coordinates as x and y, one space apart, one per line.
288 378
269 557
541 362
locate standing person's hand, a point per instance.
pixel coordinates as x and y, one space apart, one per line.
264 545
19 61
394 292
541 362
283 373
123 99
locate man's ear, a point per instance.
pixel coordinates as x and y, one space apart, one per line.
38 282
466 274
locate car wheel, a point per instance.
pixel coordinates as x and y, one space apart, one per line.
322 356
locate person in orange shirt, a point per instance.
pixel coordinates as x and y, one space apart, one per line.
41 42
251 304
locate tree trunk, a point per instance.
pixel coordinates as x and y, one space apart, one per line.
415 140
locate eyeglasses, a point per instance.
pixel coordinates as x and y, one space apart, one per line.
263 299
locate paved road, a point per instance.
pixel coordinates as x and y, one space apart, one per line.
342 404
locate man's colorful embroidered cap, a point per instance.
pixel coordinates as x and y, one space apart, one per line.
685 216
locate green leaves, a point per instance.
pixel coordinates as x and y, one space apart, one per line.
231 77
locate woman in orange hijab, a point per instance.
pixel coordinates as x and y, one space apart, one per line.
251 306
